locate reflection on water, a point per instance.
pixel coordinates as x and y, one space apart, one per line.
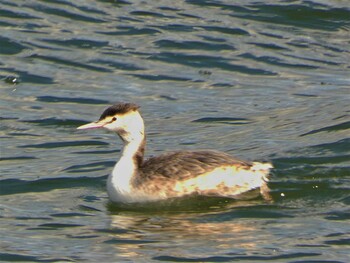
262 81
176 232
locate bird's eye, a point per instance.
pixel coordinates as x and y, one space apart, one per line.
114 119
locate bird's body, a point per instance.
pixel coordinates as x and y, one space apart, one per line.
174 174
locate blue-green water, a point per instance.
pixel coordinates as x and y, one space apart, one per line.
262 80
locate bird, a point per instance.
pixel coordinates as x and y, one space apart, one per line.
175 174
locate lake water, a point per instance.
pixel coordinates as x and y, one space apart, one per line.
264 81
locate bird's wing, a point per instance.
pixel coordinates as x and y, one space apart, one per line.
182 165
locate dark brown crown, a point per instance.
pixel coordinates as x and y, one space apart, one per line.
120 108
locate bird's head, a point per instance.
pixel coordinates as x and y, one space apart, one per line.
122 118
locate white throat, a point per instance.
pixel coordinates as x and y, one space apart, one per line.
120 181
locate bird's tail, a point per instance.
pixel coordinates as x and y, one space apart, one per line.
264 170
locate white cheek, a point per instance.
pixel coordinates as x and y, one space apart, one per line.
111 126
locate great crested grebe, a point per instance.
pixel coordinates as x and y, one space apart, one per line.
174 174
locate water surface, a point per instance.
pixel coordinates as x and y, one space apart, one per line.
260 80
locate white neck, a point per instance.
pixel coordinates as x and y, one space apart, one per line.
119 184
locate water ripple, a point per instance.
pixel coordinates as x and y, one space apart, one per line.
50 145
16 186
226 120
332 128
77 43
69 63
192 45
130 31
203 61
237 257
66 12
27 258
10 47
282 67
54 99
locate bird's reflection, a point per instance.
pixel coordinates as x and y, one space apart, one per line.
183 234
